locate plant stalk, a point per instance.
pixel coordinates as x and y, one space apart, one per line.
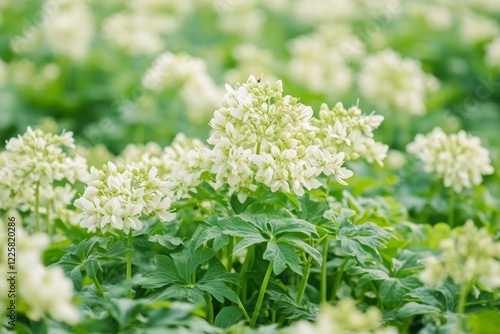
461 307
451 208
37 207
210 307
261 294
303 282
338 278
129 265
323 272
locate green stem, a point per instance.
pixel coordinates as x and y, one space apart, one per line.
129 265
49 231
261 294
451 208
338 278
244 268
99 287
461 307
210 307
242 308
323 272
230 254
303 282
37 207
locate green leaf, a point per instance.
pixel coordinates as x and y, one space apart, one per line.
391 292
412 308
316 255
291 308
240 207
167 241
352 248
92 268
228 316
214 282
283 255
187 260
486 322
164 273
204 234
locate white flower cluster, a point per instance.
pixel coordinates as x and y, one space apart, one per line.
260 135
243 18
393 81
181 161
477 28
40 291
345 318
141 29
68 27
177 164
469 256
117 196
458 158
190 76
38 159
143 156
351 132
493 53
319 60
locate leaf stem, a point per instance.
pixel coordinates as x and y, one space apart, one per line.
99 288
242 308
461 307
338 277
451 208
246 264
49 231
303 282
261 294
129 264
230 254
210 307
323 271
37 205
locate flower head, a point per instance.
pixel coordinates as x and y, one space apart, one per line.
260 135
117 196
469 256
458 158
393 81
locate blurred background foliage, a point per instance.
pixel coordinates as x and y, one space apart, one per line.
80 66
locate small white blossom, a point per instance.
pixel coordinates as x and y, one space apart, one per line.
469 256
260 135
38 159
459 159
476 28
393 81
493 53
350 132
41 291
69 29
344 318
117 196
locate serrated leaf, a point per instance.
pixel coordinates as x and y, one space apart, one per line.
412 308
164 273
92 268
228 316
204 234
285 226
315 254
214 282
167 241
283 255
187 260
352 248
391 292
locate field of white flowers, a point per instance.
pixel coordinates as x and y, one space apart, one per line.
250 166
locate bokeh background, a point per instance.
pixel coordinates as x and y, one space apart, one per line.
120 72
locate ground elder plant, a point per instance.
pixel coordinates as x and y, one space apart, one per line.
285 220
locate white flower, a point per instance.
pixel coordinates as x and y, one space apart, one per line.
493 53
476 29
41 291
261 136
393 81
38 159
350 132
117 196
344 318
458 158
319 60
69 30
469 256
